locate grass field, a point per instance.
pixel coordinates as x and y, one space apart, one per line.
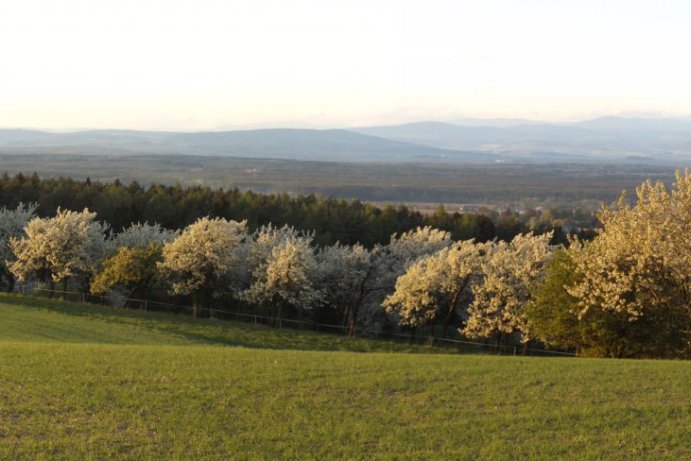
79 382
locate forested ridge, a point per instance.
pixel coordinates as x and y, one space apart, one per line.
333 220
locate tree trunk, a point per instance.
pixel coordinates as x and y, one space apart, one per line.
498 343
356 308
280 312
452 307
412 335
353 321
128 301
431 333
445 325
64 289
449 314
51 287
10 283
346 315
195 306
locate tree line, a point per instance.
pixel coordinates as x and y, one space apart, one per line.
332 220
625 293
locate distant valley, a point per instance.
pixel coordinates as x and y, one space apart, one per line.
504 184
510 162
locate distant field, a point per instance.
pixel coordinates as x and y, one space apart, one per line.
563 185
86 382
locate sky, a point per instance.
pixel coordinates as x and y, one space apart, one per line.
206 64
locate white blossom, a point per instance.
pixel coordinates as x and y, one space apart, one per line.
435 285
201 259
641 260
509 271
12 223
284 276
71 243
342 275
142 235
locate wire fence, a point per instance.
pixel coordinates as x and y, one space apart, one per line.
461 345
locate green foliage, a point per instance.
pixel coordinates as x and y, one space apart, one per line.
132 268
554 319
552 314
82 382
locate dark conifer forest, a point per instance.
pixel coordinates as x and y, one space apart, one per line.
332 220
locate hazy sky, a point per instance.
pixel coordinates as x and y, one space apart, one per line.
202 64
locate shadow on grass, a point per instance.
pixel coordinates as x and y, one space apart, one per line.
219 332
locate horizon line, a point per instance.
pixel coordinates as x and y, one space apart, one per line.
297 125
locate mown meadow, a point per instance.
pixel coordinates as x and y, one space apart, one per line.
88 382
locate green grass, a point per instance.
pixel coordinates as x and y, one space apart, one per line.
43 320
81 382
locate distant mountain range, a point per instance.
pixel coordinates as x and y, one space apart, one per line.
294 144
608 139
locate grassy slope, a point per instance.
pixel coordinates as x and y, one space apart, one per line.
42 320
80 382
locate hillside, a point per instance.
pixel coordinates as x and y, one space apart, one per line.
27 319
293 144
655 141
83 382
606 139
